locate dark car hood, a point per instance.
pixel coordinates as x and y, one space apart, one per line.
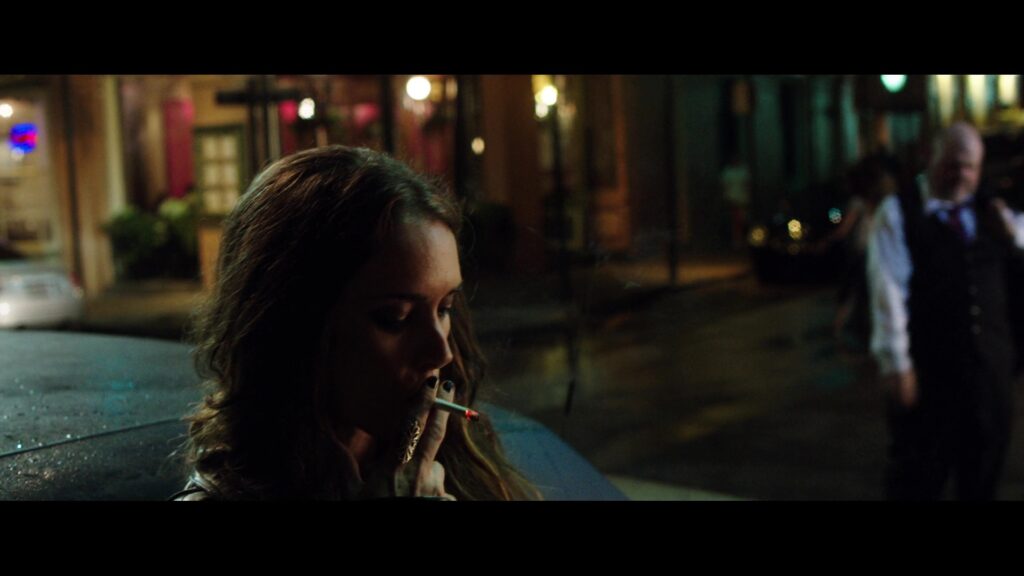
89 417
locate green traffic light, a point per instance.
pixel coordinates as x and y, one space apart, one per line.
894 83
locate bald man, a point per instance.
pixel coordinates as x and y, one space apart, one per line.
939 259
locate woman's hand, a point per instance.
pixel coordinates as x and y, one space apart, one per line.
410 468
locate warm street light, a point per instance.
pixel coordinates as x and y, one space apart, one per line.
549 95
796 231
307 108
418 88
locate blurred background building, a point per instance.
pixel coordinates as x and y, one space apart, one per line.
556 170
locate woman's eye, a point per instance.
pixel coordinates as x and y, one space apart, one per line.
388 319
445 311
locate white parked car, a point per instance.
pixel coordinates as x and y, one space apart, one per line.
36 293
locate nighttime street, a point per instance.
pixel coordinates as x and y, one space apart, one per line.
275 286
735 389
722 389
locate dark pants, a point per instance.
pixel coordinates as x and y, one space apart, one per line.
960 428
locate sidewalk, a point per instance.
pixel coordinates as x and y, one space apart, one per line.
638 489
501 305
530 304
150 308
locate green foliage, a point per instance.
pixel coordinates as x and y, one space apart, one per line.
164 244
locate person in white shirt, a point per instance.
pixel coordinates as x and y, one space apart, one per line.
939 260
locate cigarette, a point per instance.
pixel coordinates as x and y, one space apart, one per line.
471 415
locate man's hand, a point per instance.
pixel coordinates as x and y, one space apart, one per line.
999 219
902 386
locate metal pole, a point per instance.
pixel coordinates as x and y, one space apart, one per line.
560 200
461 140
69 133
264 104
387 114
254 141
672 189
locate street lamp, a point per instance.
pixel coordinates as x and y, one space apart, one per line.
894 82
548 95
418 88
307 109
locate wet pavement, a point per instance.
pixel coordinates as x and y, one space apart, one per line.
718 388
735 390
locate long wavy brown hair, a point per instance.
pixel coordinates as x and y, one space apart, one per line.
298 236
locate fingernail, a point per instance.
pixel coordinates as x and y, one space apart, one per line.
432 382
448 385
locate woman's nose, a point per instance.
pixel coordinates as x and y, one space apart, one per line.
436 352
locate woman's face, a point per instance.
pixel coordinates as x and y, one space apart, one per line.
389 331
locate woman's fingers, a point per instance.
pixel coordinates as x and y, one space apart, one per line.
437 423
419 442
415 423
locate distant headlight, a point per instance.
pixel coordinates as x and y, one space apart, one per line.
796 230
758 236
